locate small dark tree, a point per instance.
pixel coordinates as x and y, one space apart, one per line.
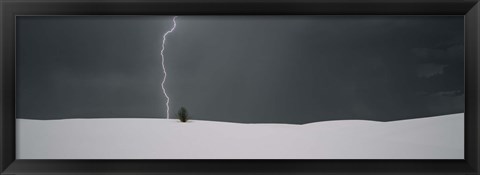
182 114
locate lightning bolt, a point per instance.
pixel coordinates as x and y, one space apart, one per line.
163 65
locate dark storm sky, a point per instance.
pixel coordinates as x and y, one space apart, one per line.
274 69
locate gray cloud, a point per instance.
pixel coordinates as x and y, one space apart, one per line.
441 54
429 70
449 93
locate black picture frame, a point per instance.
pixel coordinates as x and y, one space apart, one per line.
9 9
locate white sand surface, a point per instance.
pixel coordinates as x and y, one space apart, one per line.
440 137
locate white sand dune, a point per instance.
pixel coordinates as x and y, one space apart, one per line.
439 137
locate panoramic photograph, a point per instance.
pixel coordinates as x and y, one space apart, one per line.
240 87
